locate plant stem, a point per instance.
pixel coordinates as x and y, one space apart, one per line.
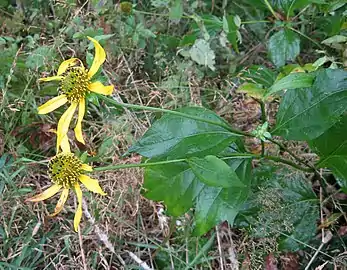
223 125
230 156
263 119
288 162
263 111
273 158
262 148
137 165
284 148
307 37
252 22
154 109
271 9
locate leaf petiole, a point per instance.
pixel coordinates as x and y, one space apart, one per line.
230 156
154 109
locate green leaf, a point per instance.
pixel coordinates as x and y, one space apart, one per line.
253 90
321 61
175 184
306 113
160 3
290 5
180 189
188 39
176 137
335 39
260 75
213 171
42 56
233 31
144 32
207 25
284 46
176 10
331 146
103 37
292 81
202 54
214 205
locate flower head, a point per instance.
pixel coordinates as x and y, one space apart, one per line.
75 83
66 171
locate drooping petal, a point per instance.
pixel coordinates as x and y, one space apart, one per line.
68 63
91 184
61 202
78 214
51 191
65 145
52 78
78 128
52 104
64 123
87 168
99 58
98 87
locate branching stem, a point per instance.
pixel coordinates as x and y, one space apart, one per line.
230 156
271 9
197 118
286 149
154 109
263 120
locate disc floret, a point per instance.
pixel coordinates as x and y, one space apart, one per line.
65 169
75 83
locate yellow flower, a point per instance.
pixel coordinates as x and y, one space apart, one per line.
66 171
75 83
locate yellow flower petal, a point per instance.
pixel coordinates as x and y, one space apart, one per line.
53 78
65 145
99 58
51 191
99 88
87 168
64 123
68 63
52 104
78 214
61 202
91 184
78 128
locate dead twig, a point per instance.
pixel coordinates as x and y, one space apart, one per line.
81 247
139 261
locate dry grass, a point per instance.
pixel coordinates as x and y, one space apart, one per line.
123 230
